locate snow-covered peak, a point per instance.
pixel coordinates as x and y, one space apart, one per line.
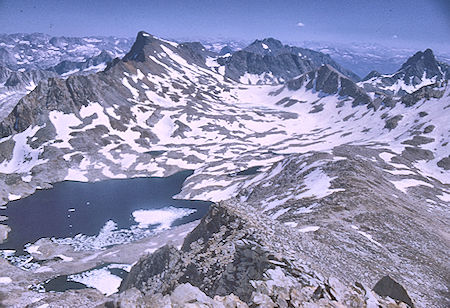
422 69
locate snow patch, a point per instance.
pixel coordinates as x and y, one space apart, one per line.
65 258
317 185
33 249
12 197
309 229
5 280
24 157
164 217
133 90
444 197
100 279
404 184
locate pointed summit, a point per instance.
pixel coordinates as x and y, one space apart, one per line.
423 63
269 61
266 46
137 52
426 57
422 69
327 80
372 74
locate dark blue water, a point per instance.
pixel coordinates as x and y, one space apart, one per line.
250 171
47 213
63 283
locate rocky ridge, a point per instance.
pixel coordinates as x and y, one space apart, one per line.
362 58
16 84
229 260
268 61
26 59
420 70
90 65
39 51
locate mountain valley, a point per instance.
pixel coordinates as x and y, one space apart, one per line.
326 190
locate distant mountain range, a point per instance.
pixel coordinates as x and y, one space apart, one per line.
40 51
363 58
359 58
25 59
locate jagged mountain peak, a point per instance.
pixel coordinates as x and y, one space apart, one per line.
265 46
327 80
103 53
424 64
161 55
269 61
225 50
421 69
371 75
421 58
147 45
137 51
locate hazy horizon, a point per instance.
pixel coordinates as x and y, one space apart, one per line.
396 24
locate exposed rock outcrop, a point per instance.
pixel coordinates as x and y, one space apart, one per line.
389 287
230 261
278 62
422 69
328 80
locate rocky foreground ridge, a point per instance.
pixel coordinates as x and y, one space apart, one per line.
352 243
229 260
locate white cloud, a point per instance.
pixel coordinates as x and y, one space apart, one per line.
300 24
395 36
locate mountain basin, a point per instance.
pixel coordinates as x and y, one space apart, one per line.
98 215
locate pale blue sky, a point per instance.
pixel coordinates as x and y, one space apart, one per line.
409 23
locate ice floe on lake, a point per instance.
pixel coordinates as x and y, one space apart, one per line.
148 222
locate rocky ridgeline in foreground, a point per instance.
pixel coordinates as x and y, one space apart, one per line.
276 255
230 260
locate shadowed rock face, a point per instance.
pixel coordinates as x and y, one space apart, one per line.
389 287
283 62
284 66
54 94
426 92
221 256
137 51
329 81
7 58
372 74
4 73
236 248
225 50
422 69
424 62
217 268
34 63
67 66
21 79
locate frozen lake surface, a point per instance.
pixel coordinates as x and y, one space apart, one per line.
87 209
